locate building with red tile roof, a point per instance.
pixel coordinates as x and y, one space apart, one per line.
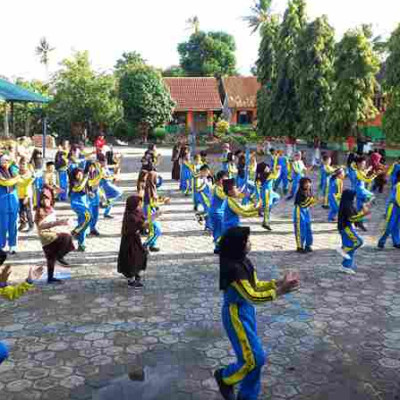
197 100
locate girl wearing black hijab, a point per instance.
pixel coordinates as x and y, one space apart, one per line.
351 241
241 288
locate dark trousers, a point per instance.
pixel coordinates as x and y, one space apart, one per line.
25 212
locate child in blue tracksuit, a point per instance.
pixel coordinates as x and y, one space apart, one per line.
392 173
61 164
241 290
37 164
112 192
93 193
80 205
234 209
204 194
186 174
283 178
392 223
363 195
335 193
217 209
151 208
351 241
197 164
268 196
224 157
302 216
298 171
326 170
9 203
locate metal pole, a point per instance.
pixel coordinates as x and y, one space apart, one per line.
6 127
44 135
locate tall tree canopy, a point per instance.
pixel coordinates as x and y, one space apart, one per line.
260 14
315 58
285 101
128 60
83 98
146 101
356 66
391 121
208 54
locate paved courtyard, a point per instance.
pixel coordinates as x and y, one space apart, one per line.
338 337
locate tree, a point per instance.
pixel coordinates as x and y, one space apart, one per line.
356 66
285 97
174 71
84 99
260 14
128 60
146 101
391 120
208 54
43 50
315 58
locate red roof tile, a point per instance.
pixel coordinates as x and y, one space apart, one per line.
197 94
241 91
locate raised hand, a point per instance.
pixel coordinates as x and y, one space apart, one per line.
35 273
5 273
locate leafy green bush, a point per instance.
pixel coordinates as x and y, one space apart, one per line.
158 134
125 130
221 128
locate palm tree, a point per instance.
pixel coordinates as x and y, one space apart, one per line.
194 24
43 51
261 13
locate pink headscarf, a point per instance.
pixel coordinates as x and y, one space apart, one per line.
375 159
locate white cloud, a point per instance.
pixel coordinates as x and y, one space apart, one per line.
153 28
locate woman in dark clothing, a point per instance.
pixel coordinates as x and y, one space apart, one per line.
132 258
55 245
176 168
241 289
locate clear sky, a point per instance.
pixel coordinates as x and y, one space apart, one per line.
152 27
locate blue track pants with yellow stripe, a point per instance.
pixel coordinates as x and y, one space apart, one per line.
302 227
81 208
63 183
392 226
239 320
351 242
217 224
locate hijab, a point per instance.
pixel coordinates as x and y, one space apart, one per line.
234 264
302 193
133 216
375 159
346 208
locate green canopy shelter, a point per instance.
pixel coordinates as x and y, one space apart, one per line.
10 94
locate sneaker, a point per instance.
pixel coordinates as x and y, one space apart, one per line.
343 253
361 226
217 251
325 207
226 391
154 249
267 227
63 262
94 232
308 249
381 246
300 250
135 284
108 216
396 246
81 248
54 281
348 271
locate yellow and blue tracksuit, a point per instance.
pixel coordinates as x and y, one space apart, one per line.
80 205
283 178
335 194
239 320
392 173
325 172
352 174
232 171
297 174
363 195
204 195
392 223
111 191
9 206
37 186
186 178
150 209
268 196
216 213
351 241
224 161
234 210
61 162
93 186
302 222
195 176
